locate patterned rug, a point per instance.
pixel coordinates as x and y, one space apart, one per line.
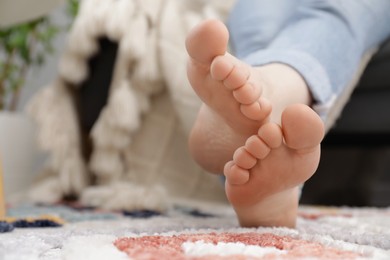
192 231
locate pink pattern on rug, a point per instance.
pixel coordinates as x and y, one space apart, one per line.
170 247
315 216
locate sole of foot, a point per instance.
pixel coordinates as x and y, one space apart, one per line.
263 178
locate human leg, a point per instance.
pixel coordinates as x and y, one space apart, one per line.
315 62
299 63
324 41
258 21
233 111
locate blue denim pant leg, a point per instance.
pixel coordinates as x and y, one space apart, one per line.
254 24
323 40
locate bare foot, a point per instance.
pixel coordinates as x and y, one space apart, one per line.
263 178
233 108
237 97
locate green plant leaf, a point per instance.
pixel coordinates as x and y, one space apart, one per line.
25 45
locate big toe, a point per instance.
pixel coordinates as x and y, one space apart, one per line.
302 127
207 40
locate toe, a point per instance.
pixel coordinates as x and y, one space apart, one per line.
247 94
257 110
221 67
243 158
232 72
235 175
302 127
211 33
257 147
271 134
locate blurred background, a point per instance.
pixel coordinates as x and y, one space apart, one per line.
57 16
355 163
32 37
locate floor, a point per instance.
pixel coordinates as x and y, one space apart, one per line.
351 176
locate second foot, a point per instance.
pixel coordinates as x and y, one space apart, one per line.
263 179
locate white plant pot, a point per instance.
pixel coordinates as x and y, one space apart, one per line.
18 153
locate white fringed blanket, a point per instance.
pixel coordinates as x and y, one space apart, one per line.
139 156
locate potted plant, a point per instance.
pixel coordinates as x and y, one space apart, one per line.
26 36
